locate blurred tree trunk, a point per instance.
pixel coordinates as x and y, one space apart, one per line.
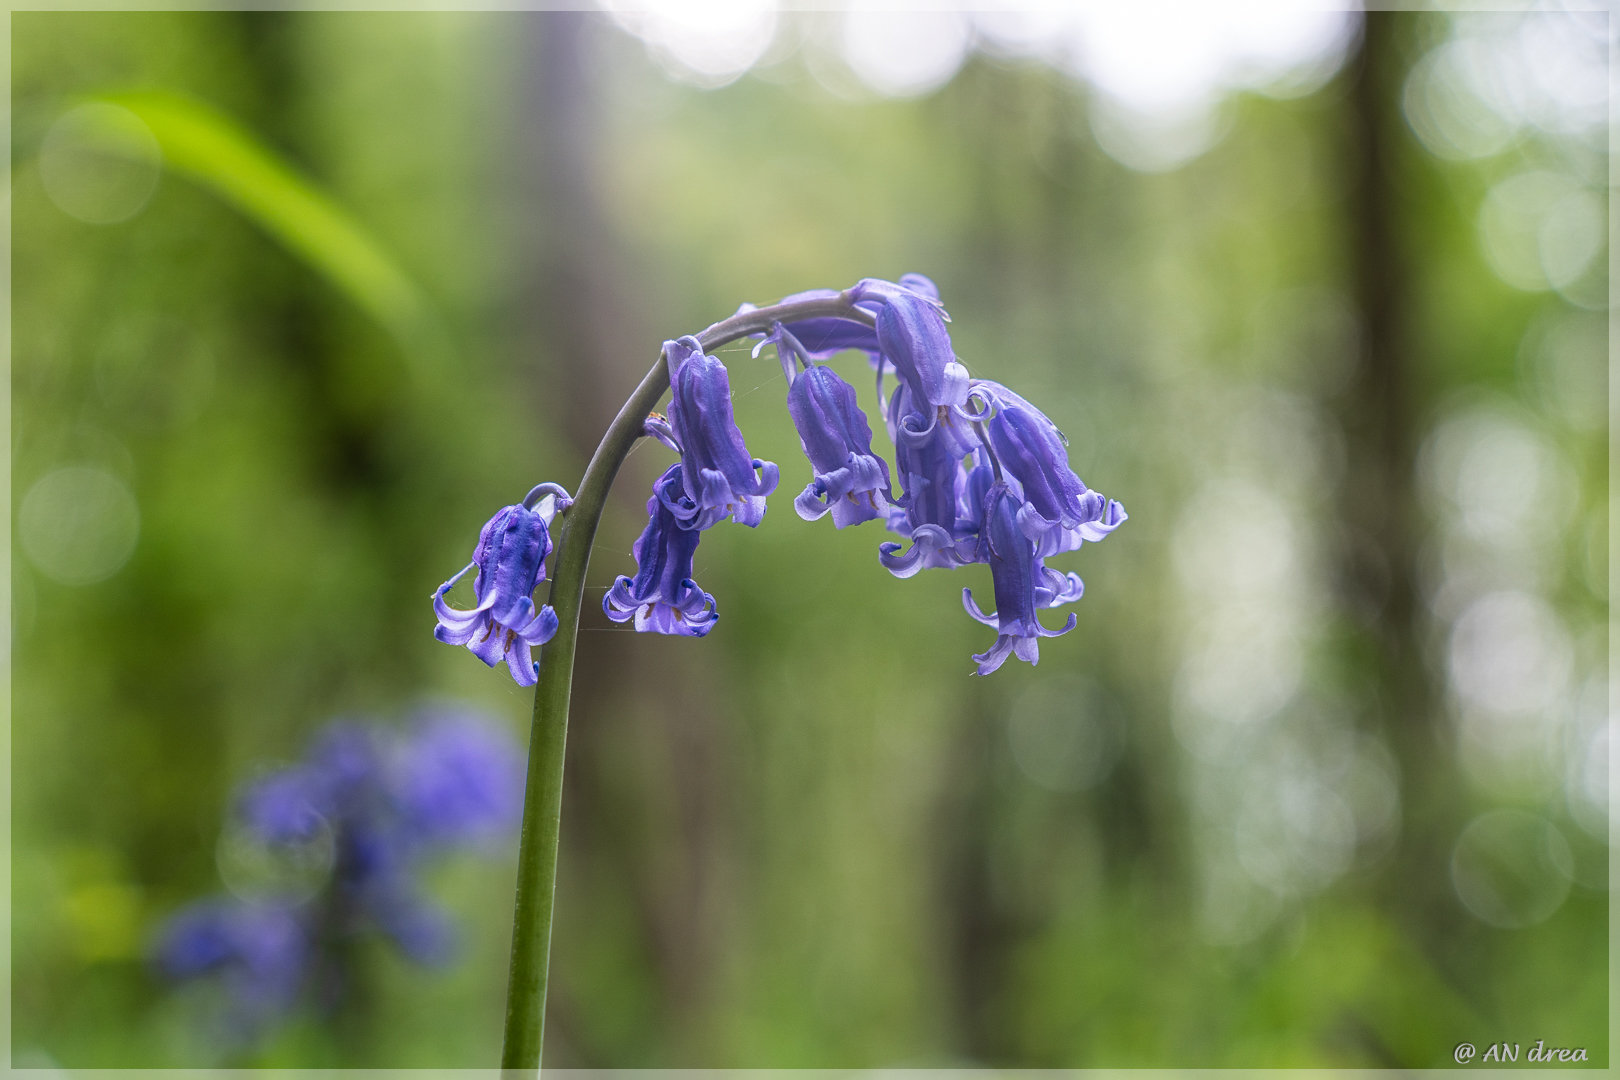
980 931
591 348
1379 513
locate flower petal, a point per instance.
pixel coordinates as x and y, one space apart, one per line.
491 648
543 626
996 655
519 662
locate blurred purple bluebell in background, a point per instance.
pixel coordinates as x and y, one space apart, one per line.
258 952
366 809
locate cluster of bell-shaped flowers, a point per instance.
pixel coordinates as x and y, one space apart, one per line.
717 479
984 478
339 841
984 475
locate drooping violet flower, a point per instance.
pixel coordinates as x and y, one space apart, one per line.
850 481
663 598
912 337
720 478
511 561
1029 448
453 778
929 512
823 337
656 426
935 511
1060 512
1020 582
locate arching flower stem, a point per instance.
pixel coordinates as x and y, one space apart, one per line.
542 805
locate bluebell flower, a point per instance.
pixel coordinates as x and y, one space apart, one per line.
663 598
719 477
824 337
333 787
850 481
387 802
983 477
935 510
422 931
1059 511
266 939
259 952
288 807
458 779
1020 582
511 561
911 336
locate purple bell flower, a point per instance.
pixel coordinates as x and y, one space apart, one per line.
337 783
259 952
720 478
929 511
265 938
286 807
1052 588
421 930
1059 512
911 336
1021 583
663 598
1031 449
511 560
937 512
850 481
458 779
825 336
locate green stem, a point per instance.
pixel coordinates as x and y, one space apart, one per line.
542 805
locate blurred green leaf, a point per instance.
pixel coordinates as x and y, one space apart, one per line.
211 148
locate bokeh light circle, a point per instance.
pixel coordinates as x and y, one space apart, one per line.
1511 868
78 525
1065 733
255 869
1540 230
905 53
1462 101
709 45
1510 654
100 163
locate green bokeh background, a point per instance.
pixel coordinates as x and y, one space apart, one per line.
812 839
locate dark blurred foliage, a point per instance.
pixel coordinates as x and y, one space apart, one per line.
1318 780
